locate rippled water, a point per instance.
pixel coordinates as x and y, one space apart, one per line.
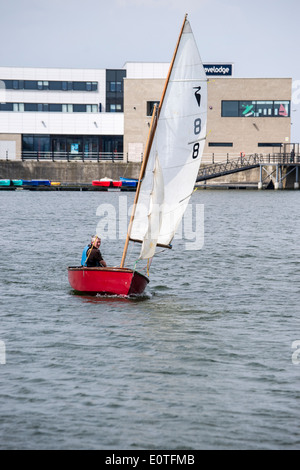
202 361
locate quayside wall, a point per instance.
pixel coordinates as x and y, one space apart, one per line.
85 172
68 172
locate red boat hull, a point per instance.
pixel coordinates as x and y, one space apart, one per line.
112 281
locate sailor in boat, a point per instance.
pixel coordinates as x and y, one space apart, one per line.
91 255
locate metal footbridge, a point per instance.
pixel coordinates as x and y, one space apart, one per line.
243 163
230 166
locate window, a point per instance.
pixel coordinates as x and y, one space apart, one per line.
247 108
269 144
79 108
43 85
35 145
79 86
115 108
282 108
67 108
115 86
56 85
230 108
55 108
91 86
264 108
30 85
91 108
255 108
18 107
31 106
220 144
150 107
6 106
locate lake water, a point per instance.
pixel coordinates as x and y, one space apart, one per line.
206 359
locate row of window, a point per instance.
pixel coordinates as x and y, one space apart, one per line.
49 85
71 144
230 144
59 85
52 107
255 108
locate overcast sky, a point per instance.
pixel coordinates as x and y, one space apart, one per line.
261 37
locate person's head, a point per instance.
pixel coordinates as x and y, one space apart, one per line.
96 241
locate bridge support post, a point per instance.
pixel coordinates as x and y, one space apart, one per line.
278 182
260 183
296 184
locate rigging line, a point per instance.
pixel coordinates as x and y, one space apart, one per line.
186 197
165 168
183 116
197 140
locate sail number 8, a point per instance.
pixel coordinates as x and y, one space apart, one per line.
197 130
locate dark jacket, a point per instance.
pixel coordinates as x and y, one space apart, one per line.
95 258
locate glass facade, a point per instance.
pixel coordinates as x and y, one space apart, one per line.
115 90
255 108
72 146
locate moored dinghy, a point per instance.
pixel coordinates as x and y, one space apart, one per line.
168 173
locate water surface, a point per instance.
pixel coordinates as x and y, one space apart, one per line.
202 361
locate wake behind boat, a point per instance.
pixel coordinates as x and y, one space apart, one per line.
168 172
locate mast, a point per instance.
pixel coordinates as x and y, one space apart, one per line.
155 117
142 172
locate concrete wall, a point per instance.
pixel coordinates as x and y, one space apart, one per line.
136 122
78 172
69 172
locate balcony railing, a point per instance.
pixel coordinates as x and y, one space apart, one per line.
69 157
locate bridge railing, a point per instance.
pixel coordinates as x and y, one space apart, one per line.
280 158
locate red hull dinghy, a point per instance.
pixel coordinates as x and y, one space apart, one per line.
111 281
168 172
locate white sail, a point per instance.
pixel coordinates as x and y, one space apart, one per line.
177 146
155 213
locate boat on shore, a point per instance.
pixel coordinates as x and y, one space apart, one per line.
129 182
107 183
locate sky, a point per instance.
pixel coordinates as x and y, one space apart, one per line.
260 37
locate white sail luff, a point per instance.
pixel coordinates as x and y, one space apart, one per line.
179 141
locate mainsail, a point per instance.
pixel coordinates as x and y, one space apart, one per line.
176 149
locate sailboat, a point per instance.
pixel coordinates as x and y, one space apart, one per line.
168 172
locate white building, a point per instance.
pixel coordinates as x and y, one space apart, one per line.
61 112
